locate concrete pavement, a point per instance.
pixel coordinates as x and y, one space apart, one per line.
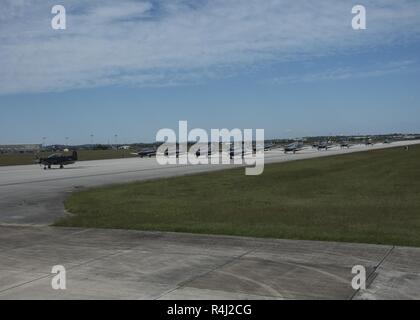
120 264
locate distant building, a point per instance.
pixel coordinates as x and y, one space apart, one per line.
409 137
20 148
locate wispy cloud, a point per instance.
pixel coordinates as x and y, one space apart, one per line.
344 73
143 43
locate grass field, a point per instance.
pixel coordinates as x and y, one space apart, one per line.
27 158
369 197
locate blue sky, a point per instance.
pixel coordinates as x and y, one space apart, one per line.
132 67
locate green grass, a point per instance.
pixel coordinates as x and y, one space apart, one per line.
28 158
369 197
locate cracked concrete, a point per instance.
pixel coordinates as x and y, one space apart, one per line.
121 264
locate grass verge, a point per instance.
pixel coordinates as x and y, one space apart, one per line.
369 197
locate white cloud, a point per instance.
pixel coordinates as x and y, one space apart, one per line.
145 43
344 73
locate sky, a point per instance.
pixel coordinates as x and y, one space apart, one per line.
129 68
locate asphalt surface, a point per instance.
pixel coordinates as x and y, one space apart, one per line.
30 195
121 264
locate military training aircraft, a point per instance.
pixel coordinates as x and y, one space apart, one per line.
324 145
369 142
58 159
345 144
293 147
150 152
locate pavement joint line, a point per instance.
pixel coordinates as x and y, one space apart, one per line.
373 274
25 283
71 234
69 268
119 251
43 241
184 283
384 258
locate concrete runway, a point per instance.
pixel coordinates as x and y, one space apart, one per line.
120 264
30 195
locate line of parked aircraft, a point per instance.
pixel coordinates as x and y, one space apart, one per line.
60 159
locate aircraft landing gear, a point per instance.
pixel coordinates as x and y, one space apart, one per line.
61 166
